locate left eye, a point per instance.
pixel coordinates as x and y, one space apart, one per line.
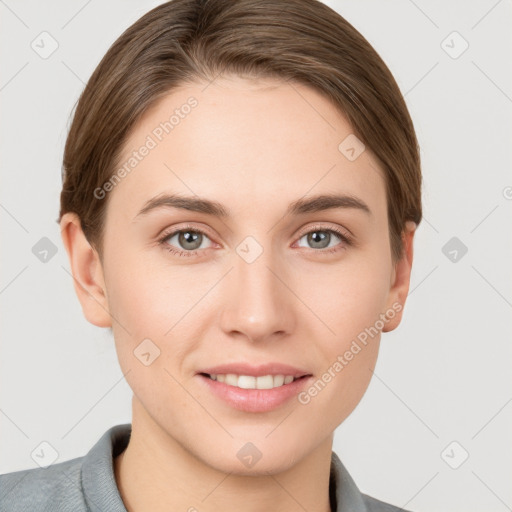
320 238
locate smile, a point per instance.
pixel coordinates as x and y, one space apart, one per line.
249 393
251 382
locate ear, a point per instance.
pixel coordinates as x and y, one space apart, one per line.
401 278
87 272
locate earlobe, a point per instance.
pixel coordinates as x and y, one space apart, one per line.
401 279
87 272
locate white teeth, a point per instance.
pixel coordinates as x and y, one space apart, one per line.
231 379
279 380
246 382
250 382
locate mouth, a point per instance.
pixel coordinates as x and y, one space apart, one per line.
260 393
254 382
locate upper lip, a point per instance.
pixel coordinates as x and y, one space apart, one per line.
255 371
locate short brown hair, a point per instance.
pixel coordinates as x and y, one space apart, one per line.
182 41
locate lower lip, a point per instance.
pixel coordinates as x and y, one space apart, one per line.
255 400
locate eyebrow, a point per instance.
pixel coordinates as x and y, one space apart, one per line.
301 206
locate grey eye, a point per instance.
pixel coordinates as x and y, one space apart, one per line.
319 238
188 239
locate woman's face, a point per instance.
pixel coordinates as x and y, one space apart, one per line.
259 286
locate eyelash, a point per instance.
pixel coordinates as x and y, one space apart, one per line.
162 241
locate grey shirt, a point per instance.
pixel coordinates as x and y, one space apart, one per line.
88 483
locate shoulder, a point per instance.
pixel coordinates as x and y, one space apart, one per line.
77 485
57 487
347 495
375 505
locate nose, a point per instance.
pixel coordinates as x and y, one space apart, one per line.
259 305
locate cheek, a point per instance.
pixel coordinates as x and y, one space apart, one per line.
346 298
161 303
349 301
148 298
350 308
149 336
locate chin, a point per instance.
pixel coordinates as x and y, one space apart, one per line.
246 458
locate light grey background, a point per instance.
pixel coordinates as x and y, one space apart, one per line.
442 376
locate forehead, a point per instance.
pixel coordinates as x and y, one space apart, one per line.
244 143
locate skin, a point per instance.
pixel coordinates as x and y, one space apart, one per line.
254 146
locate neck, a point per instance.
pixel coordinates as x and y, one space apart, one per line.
157 473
